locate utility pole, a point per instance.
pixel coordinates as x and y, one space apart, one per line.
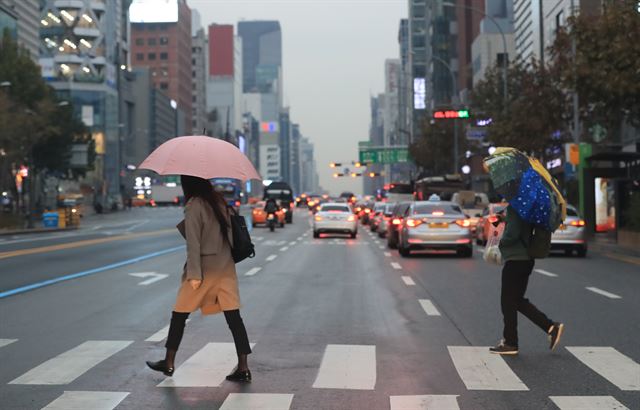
576 100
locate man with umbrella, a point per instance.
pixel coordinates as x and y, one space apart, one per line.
535 210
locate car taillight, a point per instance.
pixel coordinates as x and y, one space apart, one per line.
579 222
237 203
396 221
412 223
318 218
463 223
358 209
351 218
367 211
493 219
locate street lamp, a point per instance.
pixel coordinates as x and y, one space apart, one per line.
504 44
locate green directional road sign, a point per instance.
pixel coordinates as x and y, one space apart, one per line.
384 155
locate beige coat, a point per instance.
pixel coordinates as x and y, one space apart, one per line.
209 259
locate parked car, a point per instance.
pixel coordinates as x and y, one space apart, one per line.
486 223
335 218
435 225
393 226
570 236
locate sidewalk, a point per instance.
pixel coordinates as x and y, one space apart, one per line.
608 247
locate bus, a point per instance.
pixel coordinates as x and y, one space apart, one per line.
398 192
231 189
444 186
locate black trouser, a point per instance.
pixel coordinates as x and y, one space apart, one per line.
515 278
234 320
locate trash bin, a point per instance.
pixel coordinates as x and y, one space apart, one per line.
50 219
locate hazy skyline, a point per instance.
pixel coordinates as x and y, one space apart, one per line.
333 62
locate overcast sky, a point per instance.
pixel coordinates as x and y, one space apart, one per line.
333 61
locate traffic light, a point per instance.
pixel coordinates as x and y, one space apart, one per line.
335 164
373 174
355 174
338 174
359 164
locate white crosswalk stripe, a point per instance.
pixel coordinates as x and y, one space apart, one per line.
257 401
609 363
587 403
481 370
208 367
350 367
6 342
424 402
68 366
161 334
83 400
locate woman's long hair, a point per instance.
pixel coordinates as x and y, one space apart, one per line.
199 187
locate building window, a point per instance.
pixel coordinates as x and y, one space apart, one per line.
559 20
151 56
165 72
139 41
194 99
164 40
164 56
151 41
139 56
164 86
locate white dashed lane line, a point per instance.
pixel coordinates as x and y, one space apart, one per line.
408 281
253 271
387 254
284 248
603 292
271 258
396 265
546 273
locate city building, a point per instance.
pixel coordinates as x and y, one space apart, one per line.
83 44
296 166
527 21
285 145
22 18
487 49
469 14
310 181
161 40
405 86
199 54
224 81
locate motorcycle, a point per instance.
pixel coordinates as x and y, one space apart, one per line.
271 221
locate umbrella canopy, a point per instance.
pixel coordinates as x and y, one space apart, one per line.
527 186
200 156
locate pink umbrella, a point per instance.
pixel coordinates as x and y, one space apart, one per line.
200 156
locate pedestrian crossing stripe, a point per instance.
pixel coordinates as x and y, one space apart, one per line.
257 401
70 365
7 342
351 367
587 402
161 334
609 363
479 369
81 400
424 402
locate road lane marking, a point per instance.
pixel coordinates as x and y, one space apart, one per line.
624 258
408 281
257 401
429 308
257 238
396 265
284 249
587 402
253 271
79 244
603 292
153 275
425 402
42 238
7 342
350 367
161 334
208 367
387 254
271 258
292 243
94 400
68 366
86 273
610 364
481 370
546 273
280 243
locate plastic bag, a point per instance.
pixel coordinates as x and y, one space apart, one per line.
492 252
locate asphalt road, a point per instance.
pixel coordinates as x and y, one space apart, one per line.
336 323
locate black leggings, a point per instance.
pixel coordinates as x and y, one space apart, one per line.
234 320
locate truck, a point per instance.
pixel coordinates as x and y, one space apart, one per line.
166 194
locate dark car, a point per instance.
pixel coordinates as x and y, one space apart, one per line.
395 223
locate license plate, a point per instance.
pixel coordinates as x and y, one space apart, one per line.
439 225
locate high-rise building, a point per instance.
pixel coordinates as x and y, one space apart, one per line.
285 145
419 62
26 25
161 40
296 166
469 14
527 29
309 174
199 54
262 55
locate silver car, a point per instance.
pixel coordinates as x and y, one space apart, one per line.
335 218
436 225
376 215
570 235
385 218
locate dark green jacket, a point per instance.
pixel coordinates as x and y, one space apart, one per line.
516 237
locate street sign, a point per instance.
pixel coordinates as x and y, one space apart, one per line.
384 155
476 133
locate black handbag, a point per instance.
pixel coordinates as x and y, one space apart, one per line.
242 247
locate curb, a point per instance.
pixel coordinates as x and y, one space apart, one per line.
36 230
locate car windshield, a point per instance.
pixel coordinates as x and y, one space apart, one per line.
436 209
335 208
498 208
572 212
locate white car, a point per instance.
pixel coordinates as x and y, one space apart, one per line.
335 218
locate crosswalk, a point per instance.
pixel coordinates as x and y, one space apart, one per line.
342 366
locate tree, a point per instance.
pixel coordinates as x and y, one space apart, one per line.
606 67
433 149
536 113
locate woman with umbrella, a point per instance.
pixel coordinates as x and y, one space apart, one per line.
209 280
536 208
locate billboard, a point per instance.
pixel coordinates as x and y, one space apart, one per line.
419 93
153 11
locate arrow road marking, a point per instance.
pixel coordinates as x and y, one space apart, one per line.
154 277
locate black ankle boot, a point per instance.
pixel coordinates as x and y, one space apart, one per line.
161 366
240 376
